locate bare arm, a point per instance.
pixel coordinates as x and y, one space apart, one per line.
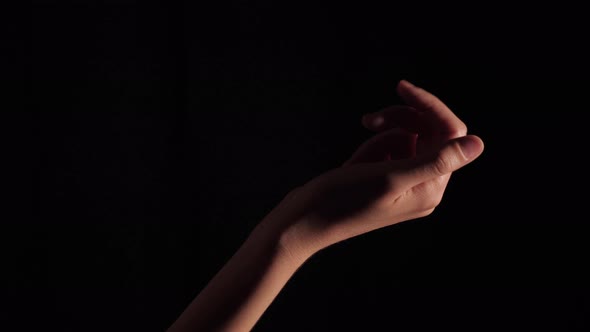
399 174
243 289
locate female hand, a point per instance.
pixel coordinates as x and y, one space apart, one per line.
399 174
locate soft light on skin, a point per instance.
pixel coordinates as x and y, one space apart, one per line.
373 121
398 174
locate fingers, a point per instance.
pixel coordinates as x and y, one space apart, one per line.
389 145
425 114
441 120
401 116
455 154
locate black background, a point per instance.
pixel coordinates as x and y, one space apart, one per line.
164 131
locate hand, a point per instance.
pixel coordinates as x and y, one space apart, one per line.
399 174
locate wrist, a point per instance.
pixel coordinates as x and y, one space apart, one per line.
291 242
295 245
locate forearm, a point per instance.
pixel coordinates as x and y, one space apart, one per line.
245 287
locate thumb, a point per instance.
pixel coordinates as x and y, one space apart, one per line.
453 155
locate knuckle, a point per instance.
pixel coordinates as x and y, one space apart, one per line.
428 196
459 130
426 212
447 160
430 101
431 201
427 204
441 165
463 128
435 201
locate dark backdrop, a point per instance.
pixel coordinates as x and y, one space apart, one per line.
165 131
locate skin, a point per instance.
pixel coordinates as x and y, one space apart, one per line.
398 174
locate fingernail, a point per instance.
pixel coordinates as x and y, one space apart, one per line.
469 147
373 120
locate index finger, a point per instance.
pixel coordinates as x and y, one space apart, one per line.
441 119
